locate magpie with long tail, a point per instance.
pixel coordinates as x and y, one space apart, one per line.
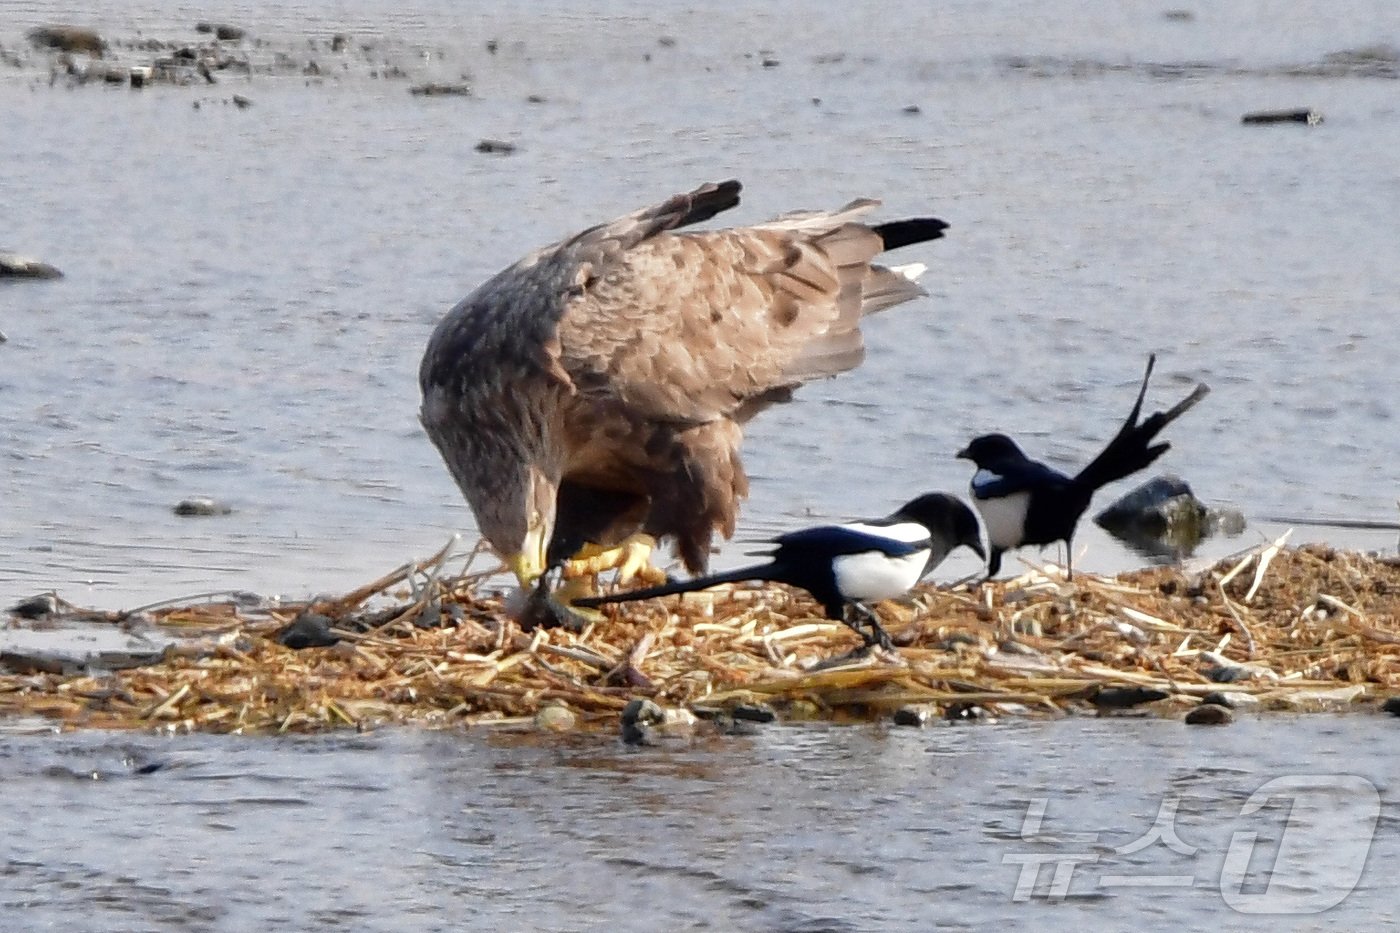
1023 501
847 566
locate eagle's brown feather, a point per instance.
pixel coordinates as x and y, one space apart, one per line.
620 364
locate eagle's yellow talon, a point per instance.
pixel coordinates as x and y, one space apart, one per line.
631 559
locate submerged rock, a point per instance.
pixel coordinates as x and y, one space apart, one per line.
495 147
13 265
67 39
201 506
441 90
1163 518
1305 115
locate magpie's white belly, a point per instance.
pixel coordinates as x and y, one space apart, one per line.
1005 519
873 575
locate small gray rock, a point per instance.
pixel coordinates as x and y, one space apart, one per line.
201 506
13 265
495 147
1210 714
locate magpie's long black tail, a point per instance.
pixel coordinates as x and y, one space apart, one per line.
768 571
1131 448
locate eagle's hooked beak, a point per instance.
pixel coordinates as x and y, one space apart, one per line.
529 564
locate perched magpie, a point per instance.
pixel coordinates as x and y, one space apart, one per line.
845 566
1023 501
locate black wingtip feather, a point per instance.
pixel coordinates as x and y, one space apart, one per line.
897 233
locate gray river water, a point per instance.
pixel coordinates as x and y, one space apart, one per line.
248 292
789 829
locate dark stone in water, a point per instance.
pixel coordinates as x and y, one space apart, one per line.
1304 115
754 712
222 31
13 265
1391 706
36 607
201 506
241 102
1209 714
495 147
1163 519
1216 698
308 630
441 90
916 715
1126 697
638 719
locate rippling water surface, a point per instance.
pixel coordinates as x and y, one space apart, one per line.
789 829
248 291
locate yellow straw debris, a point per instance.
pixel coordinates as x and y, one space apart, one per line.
1310 628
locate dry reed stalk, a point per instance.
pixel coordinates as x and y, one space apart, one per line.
1284 638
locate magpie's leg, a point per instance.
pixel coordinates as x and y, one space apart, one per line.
876 634
994 562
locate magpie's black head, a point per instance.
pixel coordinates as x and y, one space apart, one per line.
990 448
946 517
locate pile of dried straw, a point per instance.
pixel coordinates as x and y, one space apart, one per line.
1300 628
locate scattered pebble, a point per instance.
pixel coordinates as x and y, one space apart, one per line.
222 31
241 102
913 110
1209 714
201 506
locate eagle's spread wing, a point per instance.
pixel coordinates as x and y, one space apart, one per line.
691 327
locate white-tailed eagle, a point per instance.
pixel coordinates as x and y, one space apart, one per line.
598 388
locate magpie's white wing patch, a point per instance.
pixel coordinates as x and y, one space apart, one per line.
903 532
874 575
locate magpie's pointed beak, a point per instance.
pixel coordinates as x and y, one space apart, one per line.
965 454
